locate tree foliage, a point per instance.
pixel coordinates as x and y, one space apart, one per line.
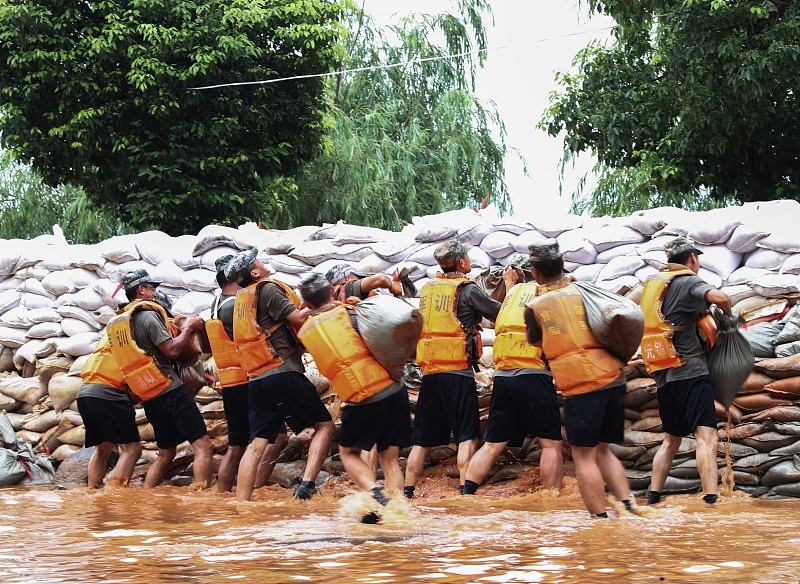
694 103
405 140
99 94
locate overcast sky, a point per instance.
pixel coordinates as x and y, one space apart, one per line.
529 41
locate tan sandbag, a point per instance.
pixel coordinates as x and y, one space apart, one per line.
17 420
9 404
320 381
779 367
75 436
737 433
782 473
146 432
214 410
140 416
64 451
723 413
648 424
627 451
217 428
645 439
73 416
786 413
49 440
28 436
46 367
63 389
759 463
755 383
788 388
769 441
207 394
26 389
41 422
6 359
759 401
639 391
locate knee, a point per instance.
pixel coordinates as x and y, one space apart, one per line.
133 449
103 450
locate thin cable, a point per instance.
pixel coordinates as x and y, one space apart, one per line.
394 65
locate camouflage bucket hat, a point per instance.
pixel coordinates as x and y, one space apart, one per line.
544 251
140 276
338 272
679 245
448 253
239 265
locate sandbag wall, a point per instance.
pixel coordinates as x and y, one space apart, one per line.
55 298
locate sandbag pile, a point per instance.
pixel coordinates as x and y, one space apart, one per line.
55 298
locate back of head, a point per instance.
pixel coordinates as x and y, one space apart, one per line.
315 289
546 257
680 249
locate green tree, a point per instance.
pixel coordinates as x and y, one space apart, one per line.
407 140
100 94
693 103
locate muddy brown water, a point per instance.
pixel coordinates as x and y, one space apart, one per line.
174 534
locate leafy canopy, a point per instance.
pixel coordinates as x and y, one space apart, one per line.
98 94
694 104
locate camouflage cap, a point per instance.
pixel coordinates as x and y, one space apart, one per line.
139 276
448 253
221 262
338 273
679 245
239 265
543 251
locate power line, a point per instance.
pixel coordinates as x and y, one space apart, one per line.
399 64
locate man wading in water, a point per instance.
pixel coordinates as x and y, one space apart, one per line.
376 411
586 373
672 302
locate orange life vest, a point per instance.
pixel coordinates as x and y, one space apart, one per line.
341 355
442 345
142 373
511 348
578 361
256 354
658 350
224 351
101 368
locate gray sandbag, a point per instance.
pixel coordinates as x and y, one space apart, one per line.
11 469
787 349
616 321
761 337
390 328
731 359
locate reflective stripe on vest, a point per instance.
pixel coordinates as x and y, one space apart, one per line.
658 350
341 355
442 345
577 360
256 354
511 349
142 374
101 367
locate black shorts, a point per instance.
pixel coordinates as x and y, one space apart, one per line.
595 417
107 420
686 404
447 403
523 405
175 418
287 397
236 402
386 423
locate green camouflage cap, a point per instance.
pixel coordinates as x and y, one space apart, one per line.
221 262
679 245
139 276
239 265
338 272
543 251
448 253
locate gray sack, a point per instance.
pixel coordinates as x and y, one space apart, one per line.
616 321
731 359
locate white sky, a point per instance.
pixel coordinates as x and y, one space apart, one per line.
530 40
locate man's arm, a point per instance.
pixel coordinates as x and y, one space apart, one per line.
174 346
719 298
532 331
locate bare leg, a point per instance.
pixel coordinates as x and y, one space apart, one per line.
98 463
551 464
371 458
201 469
359 471
392 473
707 458
129 455
415 464
268 460
465 451
590 479
481 463
663 460
318 449
228 468
158 469
613 472
245 479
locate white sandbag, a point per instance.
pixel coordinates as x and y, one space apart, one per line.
32 350
193 303
746 274
10 283
758 307
738 292
81 277
35 286
323 267
515 225
114 271
787 349
25 389
77 366
575 247
431 233
791 265
475 233
200 279
525 239
423 255
645 272
456 217
776 285
763 257
372 264
719 259
292 279
390 329
431 271
63 390
76 312
359 234
612 236
87 298
552 224
9 255
9 299
651 221
44 314
746 236
479 258
499 243
313 252
12 337
620 285
169 273
154 246
58 283
44 330
620 266
627 249
714 226
352 252
110 292
104 314
209 258
34 272
782 238
16 318
224 238
655 244
74 326
710 277
395 249
40 422
77 345
587 273
119 249
589 223
287 264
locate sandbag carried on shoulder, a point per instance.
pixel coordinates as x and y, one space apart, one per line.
616 321
390 328
731 360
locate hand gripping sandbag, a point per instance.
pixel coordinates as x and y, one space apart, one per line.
731 360
390 328
616 321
